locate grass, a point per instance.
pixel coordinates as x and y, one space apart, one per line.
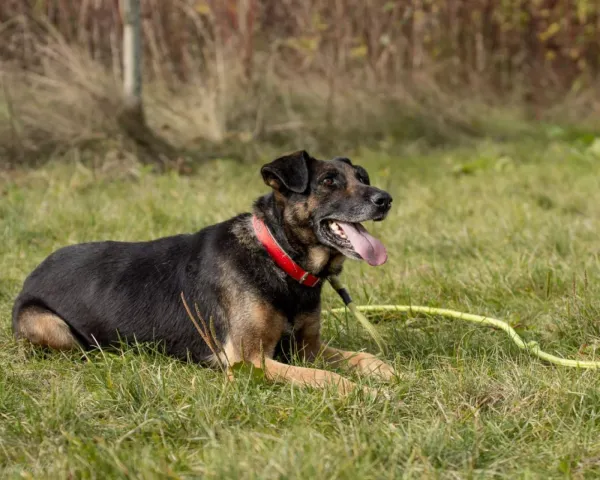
508 230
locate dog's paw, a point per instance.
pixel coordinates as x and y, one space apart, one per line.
376 368
385 372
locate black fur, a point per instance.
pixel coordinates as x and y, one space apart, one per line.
108 292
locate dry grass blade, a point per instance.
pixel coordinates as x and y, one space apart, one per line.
204 334
208 332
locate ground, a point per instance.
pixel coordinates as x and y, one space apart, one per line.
503 229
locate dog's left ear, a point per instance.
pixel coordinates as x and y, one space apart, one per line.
288 172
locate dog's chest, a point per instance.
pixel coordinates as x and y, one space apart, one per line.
300 306
302 322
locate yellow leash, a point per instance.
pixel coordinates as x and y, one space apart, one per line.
531 347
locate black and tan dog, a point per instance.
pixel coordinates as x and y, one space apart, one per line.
249 274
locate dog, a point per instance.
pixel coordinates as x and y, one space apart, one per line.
256 278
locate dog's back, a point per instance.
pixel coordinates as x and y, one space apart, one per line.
107 292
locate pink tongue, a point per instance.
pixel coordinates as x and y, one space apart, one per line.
365 244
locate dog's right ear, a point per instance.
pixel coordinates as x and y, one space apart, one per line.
289 172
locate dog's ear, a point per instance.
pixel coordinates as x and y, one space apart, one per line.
288 172
362 175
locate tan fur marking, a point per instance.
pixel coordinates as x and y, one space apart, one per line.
42 327
300 212
273 183
312 203
311 347
296 222
317 258
302 376
352 181
280 199
255 326
364 362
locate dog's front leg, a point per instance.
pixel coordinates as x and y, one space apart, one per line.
305 376
281 372
312 348
255 327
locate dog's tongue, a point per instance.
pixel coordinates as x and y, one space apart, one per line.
365 244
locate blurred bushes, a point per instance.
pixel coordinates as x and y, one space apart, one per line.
310 71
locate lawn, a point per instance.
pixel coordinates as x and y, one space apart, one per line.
508 230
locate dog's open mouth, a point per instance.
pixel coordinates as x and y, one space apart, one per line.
353 240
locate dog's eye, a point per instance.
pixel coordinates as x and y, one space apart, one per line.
328 181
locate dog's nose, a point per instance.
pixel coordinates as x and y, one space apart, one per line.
382 200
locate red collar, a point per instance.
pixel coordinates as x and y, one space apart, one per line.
280 257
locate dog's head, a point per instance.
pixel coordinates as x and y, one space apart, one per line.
325 202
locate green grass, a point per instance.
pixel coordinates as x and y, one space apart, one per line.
505 230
